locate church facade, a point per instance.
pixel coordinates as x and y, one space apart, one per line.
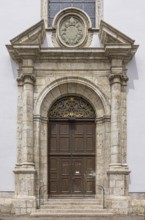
72 110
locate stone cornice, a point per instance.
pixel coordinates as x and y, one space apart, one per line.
116 44
20 52
125 52
69 54
28 43
109 34
109 52
34 35
28 46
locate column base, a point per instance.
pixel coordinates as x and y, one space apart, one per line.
118 179
24 205
119 204
25 198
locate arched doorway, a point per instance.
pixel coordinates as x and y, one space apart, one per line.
71 148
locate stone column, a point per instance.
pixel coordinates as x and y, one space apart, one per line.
27 133
19 119
118 172
28 80
25 171
124 118
115 83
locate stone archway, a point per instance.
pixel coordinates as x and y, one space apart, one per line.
88 91
40 84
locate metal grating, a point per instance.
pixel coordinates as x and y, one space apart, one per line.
54 6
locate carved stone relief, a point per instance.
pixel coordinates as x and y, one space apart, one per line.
71 31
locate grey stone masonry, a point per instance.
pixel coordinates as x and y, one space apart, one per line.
96 74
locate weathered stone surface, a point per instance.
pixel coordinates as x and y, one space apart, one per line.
97 75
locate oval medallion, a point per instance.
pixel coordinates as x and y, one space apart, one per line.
71 31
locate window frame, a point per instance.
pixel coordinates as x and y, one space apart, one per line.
98 18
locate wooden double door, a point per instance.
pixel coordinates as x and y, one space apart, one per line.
71 159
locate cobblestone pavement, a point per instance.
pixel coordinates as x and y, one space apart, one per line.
13 217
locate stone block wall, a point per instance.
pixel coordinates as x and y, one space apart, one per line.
137 203
7 202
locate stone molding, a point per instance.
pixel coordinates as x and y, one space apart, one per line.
110 35
104 119
24 171
74 21
118 169
105 92
71 80
116 44
27 44
32 36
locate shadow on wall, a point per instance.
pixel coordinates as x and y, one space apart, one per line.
15 67
132 74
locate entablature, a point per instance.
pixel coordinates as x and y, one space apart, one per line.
28 45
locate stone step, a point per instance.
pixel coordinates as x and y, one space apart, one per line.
72 216
73 201
71 210
71 206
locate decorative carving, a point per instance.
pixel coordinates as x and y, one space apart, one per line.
25 78
71 107
71 31
119 78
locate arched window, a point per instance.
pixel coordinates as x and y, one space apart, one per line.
54 6
72 107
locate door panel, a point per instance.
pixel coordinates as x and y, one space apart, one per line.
77 186
71 158
65 176
64 144
53 175
77 175
90 175
78 145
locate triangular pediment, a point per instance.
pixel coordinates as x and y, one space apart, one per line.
33 36
109 35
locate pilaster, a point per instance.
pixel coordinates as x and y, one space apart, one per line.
25 170
118 170
124 117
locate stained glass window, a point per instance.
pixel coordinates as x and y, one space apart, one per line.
55 6
72 107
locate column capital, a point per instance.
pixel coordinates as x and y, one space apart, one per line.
118 78
115 78
26 79
124 80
